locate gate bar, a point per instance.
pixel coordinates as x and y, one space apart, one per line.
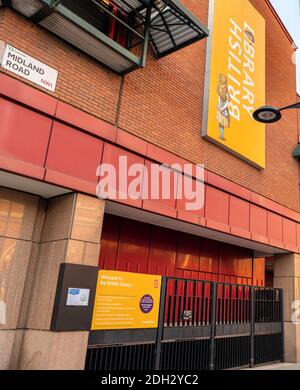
160 328
213 306
282 323
252 326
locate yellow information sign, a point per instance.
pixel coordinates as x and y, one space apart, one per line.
235 79
126 300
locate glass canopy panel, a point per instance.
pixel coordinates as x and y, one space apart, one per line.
172 27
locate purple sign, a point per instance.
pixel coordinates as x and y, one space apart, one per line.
146 304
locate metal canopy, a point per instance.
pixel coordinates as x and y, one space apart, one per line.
130 5
172 27
79 23
167 24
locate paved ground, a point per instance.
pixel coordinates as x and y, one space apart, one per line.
277 366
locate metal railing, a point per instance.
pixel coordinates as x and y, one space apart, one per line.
204 326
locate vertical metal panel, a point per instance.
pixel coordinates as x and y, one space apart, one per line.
109 242
65 160
160 322
232 352
252 359
133 247
281 316
268 348
127 357
19 127
268 305
213 314
185 355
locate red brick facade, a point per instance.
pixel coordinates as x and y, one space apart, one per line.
163 102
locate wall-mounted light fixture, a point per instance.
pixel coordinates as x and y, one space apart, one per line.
269 114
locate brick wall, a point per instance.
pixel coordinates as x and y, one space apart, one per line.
163 102
82 82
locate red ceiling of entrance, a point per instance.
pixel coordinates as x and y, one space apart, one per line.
133 246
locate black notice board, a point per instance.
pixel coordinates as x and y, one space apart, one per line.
68 317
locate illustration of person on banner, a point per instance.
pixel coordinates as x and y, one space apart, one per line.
223 115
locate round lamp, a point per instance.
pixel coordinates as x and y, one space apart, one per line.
267 114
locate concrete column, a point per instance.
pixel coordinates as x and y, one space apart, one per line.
287 277
18 215
70 233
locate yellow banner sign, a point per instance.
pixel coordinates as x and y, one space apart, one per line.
126 300
235 79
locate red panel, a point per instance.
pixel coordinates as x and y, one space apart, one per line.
163 156
188 252
291 214
244 267
70 182
188 216
24 134
170 176
163 252
228 262
298 235
258 223
290 233
217 209
259 272
267 203
239 216
209 256
24 168
275 229
228 186
193 216
160 205
114 156
27 95
134 247
131 142
271 205
74 153
84 121
109 242
159 208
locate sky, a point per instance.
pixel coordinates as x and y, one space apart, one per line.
289 12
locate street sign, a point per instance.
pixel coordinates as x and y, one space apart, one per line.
29 68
